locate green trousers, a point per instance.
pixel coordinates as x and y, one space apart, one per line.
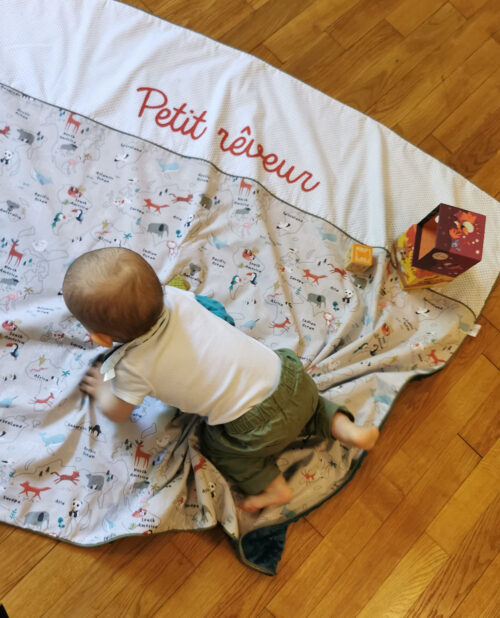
245 449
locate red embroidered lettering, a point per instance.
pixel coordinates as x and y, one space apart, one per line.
268 161
178 112
197 119
146 99
303 185
221 145
178 120
162 114
239 146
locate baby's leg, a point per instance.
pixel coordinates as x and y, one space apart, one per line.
277 492
347 432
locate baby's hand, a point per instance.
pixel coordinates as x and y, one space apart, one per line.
93 382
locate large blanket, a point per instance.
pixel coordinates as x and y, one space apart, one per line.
216 166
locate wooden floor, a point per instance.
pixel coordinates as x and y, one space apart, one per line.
417 532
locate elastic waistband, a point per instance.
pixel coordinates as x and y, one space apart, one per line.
291 367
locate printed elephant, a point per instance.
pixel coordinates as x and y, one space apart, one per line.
36 519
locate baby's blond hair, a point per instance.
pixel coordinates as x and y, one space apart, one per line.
113 291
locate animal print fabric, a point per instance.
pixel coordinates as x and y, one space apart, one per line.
69 185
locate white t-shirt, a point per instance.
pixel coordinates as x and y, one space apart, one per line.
194 361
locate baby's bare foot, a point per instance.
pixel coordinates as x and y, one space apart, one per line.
365 437
277 492
347 432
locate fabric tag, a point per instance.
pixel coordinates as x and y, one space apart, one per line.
474 331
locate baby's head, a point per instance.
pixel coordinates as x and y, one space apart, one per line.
114 292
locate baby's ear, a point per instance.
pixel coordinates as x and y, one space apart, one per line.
106 341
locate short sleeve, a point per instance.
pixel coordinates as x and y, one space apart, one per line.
128 385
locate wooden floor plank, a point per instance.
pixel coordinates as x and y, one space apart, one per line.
59 570
20 552
471 115
484 598
435 108
202 15
263 23
129 574
468 7
253 594
431 146
315 65
141 587
366 573
487 177
346 540
207 586
480 148
338 75
468 503
430 72
455 410
408 14
197 545
5 531
264 53
359 20
465 567
366 89
222 586
492 313
256 4
302 31
483 428
317 574
407 581
141 5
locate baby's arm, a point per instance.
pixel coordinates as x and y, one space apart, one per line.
114 408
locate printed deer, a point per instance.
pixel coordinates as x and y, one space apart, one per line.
14 254
72 122
245 186
140 454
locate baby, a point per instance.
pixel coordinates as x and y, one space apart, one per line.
255 400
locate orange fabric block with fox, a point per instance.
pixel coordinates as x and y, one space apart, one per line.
359 258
